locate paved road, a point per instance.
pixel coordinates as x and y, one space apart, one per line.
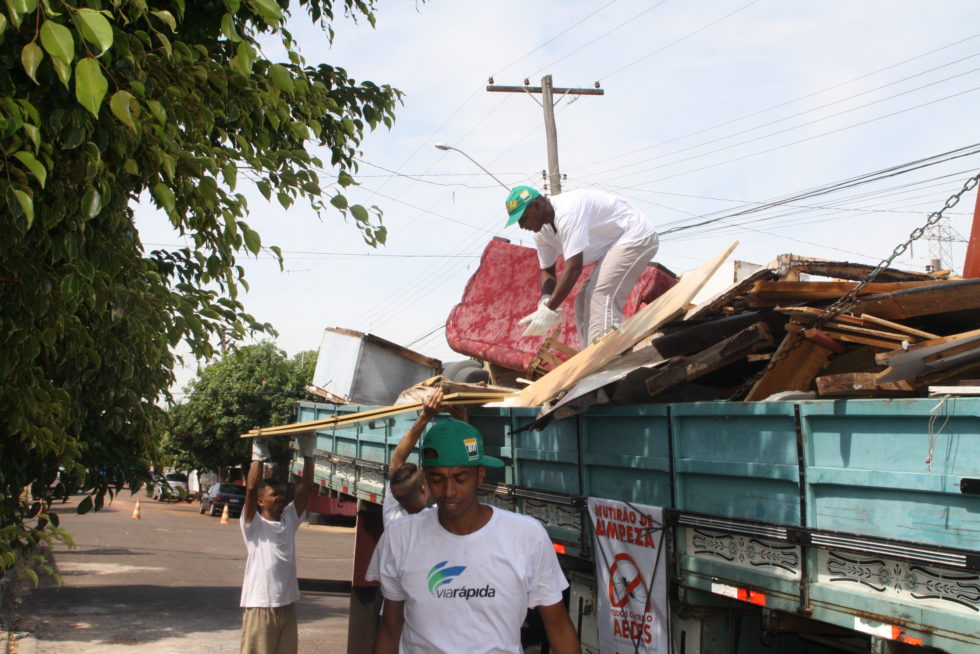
170 583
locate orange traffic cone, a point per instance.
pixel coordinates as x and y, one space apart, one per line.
136 510
224 515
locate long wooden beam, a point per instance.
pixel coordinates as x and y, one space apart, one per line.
452 399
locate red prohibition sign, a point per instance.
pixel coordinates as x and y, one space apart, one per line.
631 584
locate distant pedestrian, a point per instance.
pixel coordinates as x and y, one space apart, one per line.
271 589
460 579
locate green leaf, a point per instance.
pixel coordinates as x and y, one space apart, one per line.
269 9
58 41
32 164
30 58
360 213
63 69
230 174
339 201
3 23
167 18
131 167
26 203
228 28
344 179
90 84
91 203
85 505
165 197
242 61
121 103
264 189
281 78
348 126
252 239
158 111
33 133
233 6
96 29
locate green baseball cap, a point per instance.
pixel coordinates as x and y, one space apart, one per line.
450 442
518 200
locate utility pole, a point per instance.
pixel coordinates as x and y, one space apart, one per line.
547 103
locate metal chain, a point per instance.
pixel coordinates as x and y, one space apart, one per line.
849 299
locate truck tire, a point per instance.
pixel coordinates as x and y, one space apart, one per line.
467 372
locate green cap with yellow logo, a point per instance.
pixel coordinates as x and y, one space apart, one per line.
518 200
450 442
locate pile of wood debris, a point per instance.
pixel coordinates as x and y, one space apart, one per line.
906 332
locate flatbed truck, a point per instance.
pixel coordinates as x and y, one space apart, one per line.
808 526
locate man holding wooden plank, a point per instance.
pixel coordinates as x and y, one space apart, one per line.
584 227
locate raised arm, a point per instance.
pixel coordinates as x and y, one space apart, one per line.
260 452
405 446
306 444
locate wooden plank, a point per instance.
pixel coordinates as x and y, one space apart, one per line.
847 270
957 295
718 302
860 384
632 331
865 321
769 293
906 364
793 372
728 351
375 414
847 338
899 327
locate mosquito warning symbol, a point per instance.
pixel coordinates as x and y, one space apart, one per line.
626 584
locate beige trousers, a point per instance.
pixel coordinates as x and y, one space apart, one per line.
599 305
270 630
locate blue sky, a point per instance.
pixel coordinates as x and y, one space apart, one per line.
710 108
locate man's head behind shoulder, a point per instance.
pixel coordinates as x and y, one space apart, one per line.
408 487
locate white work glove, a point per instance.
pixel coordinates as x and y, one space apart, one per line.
306 443
260 449
541 321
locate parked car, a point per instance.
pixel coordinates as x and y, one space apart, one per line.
171 486
214 500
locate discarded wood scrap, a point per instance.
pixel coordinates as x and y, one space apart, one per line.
946 297
930 356
862 384
681 369
787 265
765 294
798 361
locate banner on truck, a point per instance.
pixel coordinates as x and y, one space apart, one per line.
631 577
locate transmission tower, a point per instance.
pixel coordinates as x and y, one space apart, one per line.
941 237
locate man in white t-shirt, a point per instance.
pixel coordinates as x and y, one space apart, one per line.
270 590
584 227
461 578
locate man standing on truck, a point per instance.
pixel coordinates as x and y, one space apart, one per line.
271 590
407 493
461 578
585 227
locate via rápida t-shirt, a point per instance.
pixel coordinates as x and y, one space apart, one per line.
270 570
466 593
590 222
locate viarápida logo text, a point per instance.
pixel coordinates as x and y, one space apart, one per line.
440 576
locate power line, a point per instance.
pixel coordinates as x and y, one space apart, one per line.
676 41
789 102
